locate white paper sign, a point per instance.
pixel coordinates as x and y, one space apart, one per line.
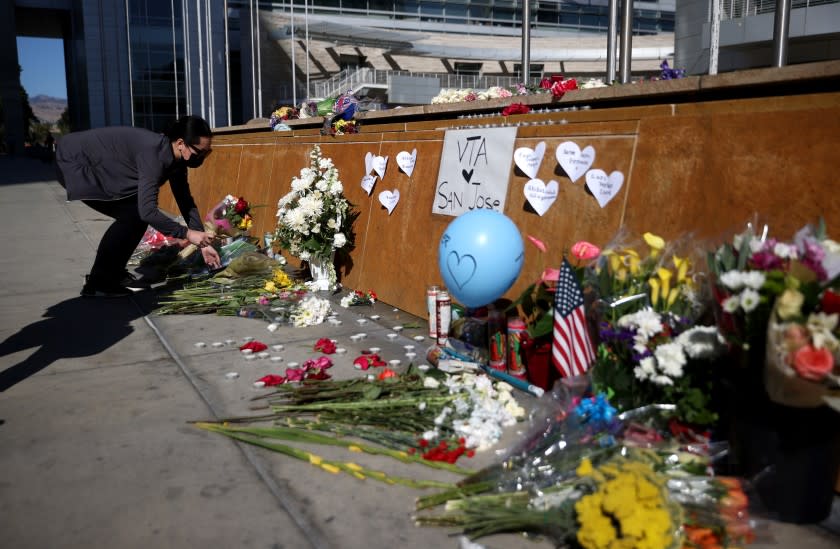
368 182
474 170
602 186
406 161
574 161
379 165
528 160
368 162
389 199
540 195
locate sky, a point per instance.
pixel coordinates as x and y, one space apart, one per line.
42 61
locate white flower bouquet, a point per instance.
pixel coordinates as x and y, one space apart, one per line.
315 219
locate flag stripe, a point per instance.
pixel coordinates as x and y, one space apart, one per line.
571 348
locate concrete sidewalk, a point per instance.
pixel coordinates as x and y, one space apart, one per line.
96 396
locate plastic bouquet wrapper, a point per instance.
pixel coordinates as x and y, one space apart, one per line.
588 476
152 241
802 367
654 342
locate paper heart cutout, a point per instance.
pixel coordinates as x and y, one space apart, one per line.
368 182
389 199
462 268
379 165
528 160
540 195
368 162
406 161
574 161
604 187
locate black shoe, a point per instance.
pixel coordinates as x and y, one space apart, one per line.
134 284
104 290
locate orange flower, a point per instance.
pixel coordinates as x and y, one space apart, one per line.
812 363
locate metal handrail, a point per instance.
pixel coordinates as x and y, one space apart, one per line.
737 9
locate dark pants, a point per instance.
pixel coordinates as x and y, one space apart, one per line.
119 241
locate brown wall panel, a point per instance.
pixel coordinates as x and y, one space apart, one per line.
703 167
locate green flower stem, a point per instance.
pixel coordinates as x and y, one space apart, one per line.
328 465
460 492
299 435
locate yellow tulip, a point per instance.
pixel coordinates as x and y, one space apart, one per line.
665 276
654 290
621 275
615 260
672 296
656 243
681 264
631 259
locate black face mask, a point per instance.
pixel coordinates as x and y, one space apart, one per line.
194 161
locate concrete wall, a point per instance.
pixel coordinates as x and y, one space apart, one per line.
696 154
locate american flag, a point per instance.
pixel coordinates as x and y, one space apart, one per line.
571 348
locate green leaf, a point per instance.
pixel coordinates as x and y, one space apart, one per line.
371 392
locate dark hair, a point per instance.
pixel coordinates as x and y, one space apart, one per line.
189 128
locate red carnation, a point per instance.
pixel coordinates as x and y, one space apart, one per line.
516 108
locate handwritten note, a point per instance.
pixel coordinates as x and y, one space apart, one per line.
474 170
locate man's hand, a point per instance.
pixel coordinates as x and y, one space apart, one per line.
211 257
199 238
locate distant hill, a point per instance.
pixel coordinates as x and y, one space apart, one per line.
47 109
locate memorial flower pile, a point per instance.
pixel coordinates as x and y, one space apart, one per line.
314 219
600 492
281 114
651 348
358 297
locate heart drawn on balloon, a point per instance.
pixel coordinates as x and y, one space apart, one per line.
379 165
389 199
540 195
467 175
368 162
368 182
574 161
406 161
528 160
461 268
604 187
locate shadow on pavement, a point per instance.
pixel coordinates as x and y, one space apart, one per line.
78 327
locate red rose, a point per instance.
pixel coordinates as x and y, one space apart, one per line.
812 363
254 346
559 88
241 206
272 379
516 108
830 302
325 345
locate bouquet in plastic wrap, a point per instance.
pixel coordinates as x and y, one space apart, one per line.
588 476
654 346
788 292
231 216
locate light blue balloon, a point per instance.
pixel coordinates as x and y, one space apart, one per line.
480 256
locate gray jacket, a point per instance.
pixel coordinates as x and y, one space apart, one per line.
118 162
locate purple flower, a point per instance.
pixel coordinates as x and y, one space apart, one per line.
766 261
670 74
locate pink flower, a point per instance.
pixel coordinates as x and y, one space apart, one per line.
367 360
295 374
470 97
585 251
795 337
263 300
320 363
223 224
812 363
538 243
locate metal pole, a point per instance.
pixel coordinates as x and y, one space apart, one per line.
526 41
130 68
211 78
200 57
306 26
626 41
227 66
612 31
781 29
253 59
259 64
294 76
187 58
714 47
